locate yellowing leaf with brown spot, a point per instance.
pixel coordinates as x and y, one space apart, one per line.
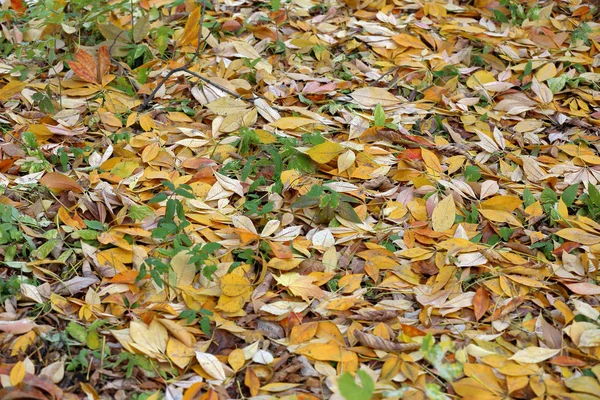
230 304
578 236
235 285
325 152
443 215
179 353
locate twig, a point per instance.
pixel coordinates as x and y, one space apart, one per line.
184 67
391 71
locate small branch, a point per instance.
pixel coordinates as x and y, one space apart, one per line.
184 67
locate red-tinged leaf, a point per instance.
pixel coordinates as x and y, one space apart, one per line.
411 154
566 361
103 62
481 302
58 183
412 331
84 66
18 6
583 288
566 246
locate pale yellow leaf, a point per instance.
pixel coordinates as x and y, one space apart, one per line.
443 215
534 355
578 236
325 152
371 96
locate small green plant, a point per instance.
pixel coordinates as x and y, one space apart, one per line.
35 160
517 13
329 202
9 287
435 354
171 229
350 390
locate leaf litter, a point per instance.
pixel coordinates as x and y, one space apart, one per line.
301 199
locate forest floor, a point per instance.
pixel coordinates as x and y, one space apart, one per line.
299 199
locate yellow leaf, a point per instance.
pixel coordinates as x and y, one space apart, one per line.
300 285
10 89
124 169
265 137
179 353
443 215
184 270
325 152
546 72
534 355
22 343
236 359
330 351
235 285
371 96
480 78
17 373
431 160
506 203
230 304
500 216
291 123
578 236
407 40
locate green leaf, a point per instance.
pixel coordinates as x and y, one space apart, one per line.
528 198
95 225
379 115
346 211
569 194
594 195
350 390
528 68
158 198
86 234
139 212
45 249
77 332
472 173
305 201
557 84
548 196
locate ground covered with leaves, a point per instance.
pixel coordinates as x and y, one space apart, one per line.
299 199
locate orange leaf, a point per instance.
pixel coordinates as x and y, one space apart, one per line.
58 183
84 66
481 302
103 62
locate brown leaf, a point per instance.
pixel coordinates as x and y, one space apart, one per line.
377 343
481 302
58 183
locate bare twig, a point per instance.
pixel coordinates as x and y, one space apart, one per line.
184 67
